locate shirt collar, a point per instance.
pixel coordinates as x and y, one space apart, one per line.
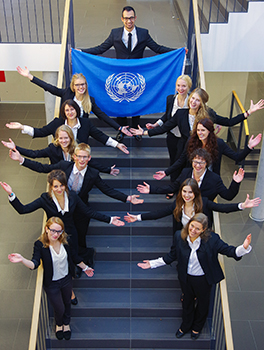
201 177
66 203
133 32
82 172
194 245
76 126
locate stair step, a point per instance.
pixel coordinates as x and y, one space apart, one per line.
141 332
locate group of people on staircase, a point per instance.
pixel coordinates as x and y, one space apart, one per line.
195 158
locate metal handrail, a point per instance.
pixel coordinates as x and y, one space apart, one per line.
39 323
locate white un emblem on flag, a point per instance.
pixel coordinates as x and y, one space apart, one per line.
125 86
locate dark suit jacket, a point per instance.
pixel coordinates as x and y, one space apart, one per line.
54 153
87 129
207 255
211 186
47 204
115 39
91 178
208 207
44 254
223 148
217 119
67 94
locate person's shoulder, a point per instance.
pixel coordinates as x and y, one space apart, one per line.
116 30
186 171
85 122
92 171
141 30
211 175
38 244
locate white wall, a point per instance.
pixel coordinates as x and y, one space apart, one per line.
38 57
238 45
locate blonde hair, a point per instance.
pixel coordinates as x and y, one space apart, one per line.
85 98
68 130
187 79
83 147
44 236
202 112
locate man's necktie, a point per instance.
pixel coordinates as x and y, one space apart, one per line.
75 185
129 42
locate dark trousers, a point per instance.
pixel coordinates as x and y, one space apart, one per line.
174 145
123 121
59 294
195 311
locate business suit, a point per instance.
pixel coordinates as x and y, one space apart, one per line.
59 291
55 155
193 316
208 207
87 129
75 206
223 149
68 94
211 186
91 178
115 39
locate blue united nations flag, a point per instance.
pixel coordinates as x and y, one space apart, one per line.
125 88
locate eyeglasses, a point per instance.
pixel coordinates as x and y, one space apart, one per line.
82 157
53 232
80 85
128 18
198 163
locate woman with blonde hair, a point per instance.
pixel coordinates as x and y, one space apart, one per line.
58 264
77 91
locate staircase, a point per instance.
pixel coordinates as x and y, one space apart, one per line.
123 306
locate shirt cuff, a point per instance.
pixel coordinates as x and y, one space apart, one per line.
160 122
157 263
22 161
12 197
240 250
240 206
28 130
111 220
139 217
111 142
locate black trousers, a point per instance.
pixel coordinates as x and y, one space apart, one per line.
123 121
59 294
195 311
175 149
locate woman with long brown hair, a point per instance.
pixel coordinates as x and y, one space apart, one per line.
189 202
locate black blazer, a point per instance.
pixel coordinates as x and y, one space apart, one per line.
211 186
91 178
115 39
55 154
208 207
68 94
87 129
223 148
44 254
47 204
217 119
207 255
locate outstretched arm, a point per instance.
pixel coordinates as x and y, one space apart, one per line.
134 199
10 144
18 258
24 72
251 203
122 148
6 187
116 222
145 265
130 218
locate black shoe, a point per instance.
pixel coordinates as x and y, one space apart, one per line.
195 336
59 335
138 137
78 272
179 334
119 136
67 335
74 301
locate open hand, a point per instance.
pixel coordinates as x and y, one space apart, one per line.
15 155
254 141
253 108
122 148
15 257
10 144
125 131
145 265
251 203
159 175
247 241
114 171
138 131
134 199
6 187
130 217
14 125
143 188
117 222
238 176
24 72
89 272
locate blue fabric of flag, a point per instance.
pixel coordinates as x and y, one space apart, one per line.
130 87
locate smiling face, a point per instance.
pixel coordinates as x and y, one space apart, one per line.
81 159
70 112
64 139
54 232
182 87
202 133
58 188
79 86
199 164
128 18
195 102
195 230
187 194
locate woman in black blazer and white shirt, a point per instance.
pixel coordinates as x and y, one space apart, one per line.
57 259
189 202
82 127
77 91
196 249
